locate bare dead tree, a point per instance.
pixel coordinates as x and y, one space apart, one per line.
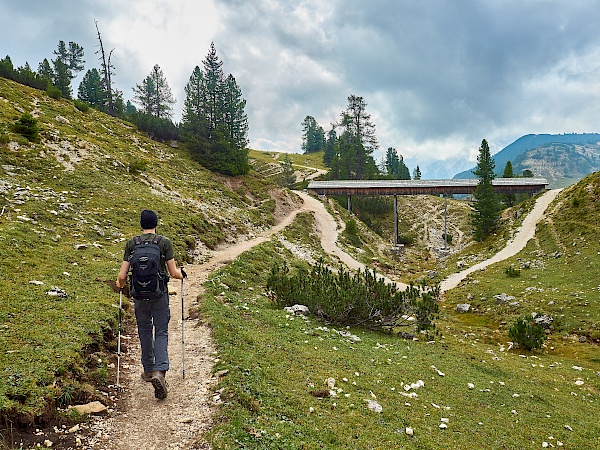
107 72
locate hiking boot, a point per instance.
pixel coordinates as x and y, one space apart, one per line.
147 376
160 384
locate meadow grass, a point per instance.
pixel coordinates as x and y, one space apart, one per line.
274 362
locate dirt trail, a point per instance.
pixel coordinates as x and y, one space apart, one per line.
525 232
141 421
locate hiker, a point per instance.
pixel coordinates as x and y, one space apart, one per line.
151 296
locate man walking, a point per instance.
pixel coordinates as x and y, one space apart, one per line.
151 296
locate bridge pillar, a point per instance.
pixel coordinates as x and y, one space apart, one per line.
349 204
395 220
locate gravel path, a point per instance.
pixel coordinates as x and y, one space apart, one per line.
142 422
525 232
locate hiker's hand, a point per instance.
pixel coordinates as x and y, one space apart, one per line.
183 274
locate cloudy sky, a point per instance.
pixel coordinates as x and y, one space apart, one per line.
438 76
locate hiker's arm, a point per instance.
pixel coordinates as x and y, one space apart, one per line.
122 277
173 270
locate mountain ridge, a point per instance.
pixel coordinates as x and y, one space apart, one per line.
522 153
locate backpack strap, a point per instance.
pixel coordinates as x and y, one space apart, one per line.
137 240
156 239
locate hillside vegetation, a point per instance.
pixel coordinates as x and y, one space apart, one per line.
68 203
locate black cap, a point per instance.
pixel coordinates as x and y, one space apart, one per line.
148 219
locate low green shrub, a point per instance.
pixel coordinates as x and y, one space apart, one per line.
352 233
354 300
81 105
137 165
512 272
525 332
27 126
54 92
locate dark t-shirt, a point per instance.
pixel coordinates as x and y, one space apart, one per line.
165 245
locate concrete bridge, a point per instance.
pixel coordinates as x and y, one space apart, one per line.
350 188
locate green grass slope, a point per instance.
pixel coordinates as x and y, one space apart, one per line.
67 205
476 391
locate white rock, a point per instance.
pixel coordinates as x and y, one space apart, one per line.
579 382
443 426
544 444
567 427
330 382
409 431
471 386
374 406
445 420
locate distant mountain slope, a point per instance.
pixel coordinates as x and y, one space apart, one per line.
561 158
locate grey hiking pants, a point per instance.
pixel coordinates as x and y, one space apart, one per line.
153 329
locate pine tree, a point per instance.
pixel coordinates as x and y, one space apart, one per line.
330 146
235 120
71 57
394 165
357 122
91 89
154 95
194 105
313 135
509 199
215 78
45 70
417 173
353 159
486 208
62 81
214 122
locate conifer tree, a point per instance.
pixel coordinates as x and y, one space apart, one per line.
486 208
62 81
214 122
417 173
313 135
235 120
394 165
330 146
353 158
45 70
154 95
509 199
91 89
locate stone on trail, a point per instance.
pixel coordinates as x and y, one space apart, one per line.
90 408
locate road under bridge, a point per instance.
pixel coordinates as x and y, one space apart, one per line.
446 188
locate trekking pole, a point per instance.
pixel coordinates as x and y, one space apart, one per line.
119 340
182 339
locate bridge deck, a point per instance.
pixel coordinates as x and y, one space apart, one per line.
424 187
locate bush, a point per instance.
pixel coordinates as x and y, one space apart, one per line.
27 126
354 300
54 92
512 272
81 105
351 232
525 332
136 166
